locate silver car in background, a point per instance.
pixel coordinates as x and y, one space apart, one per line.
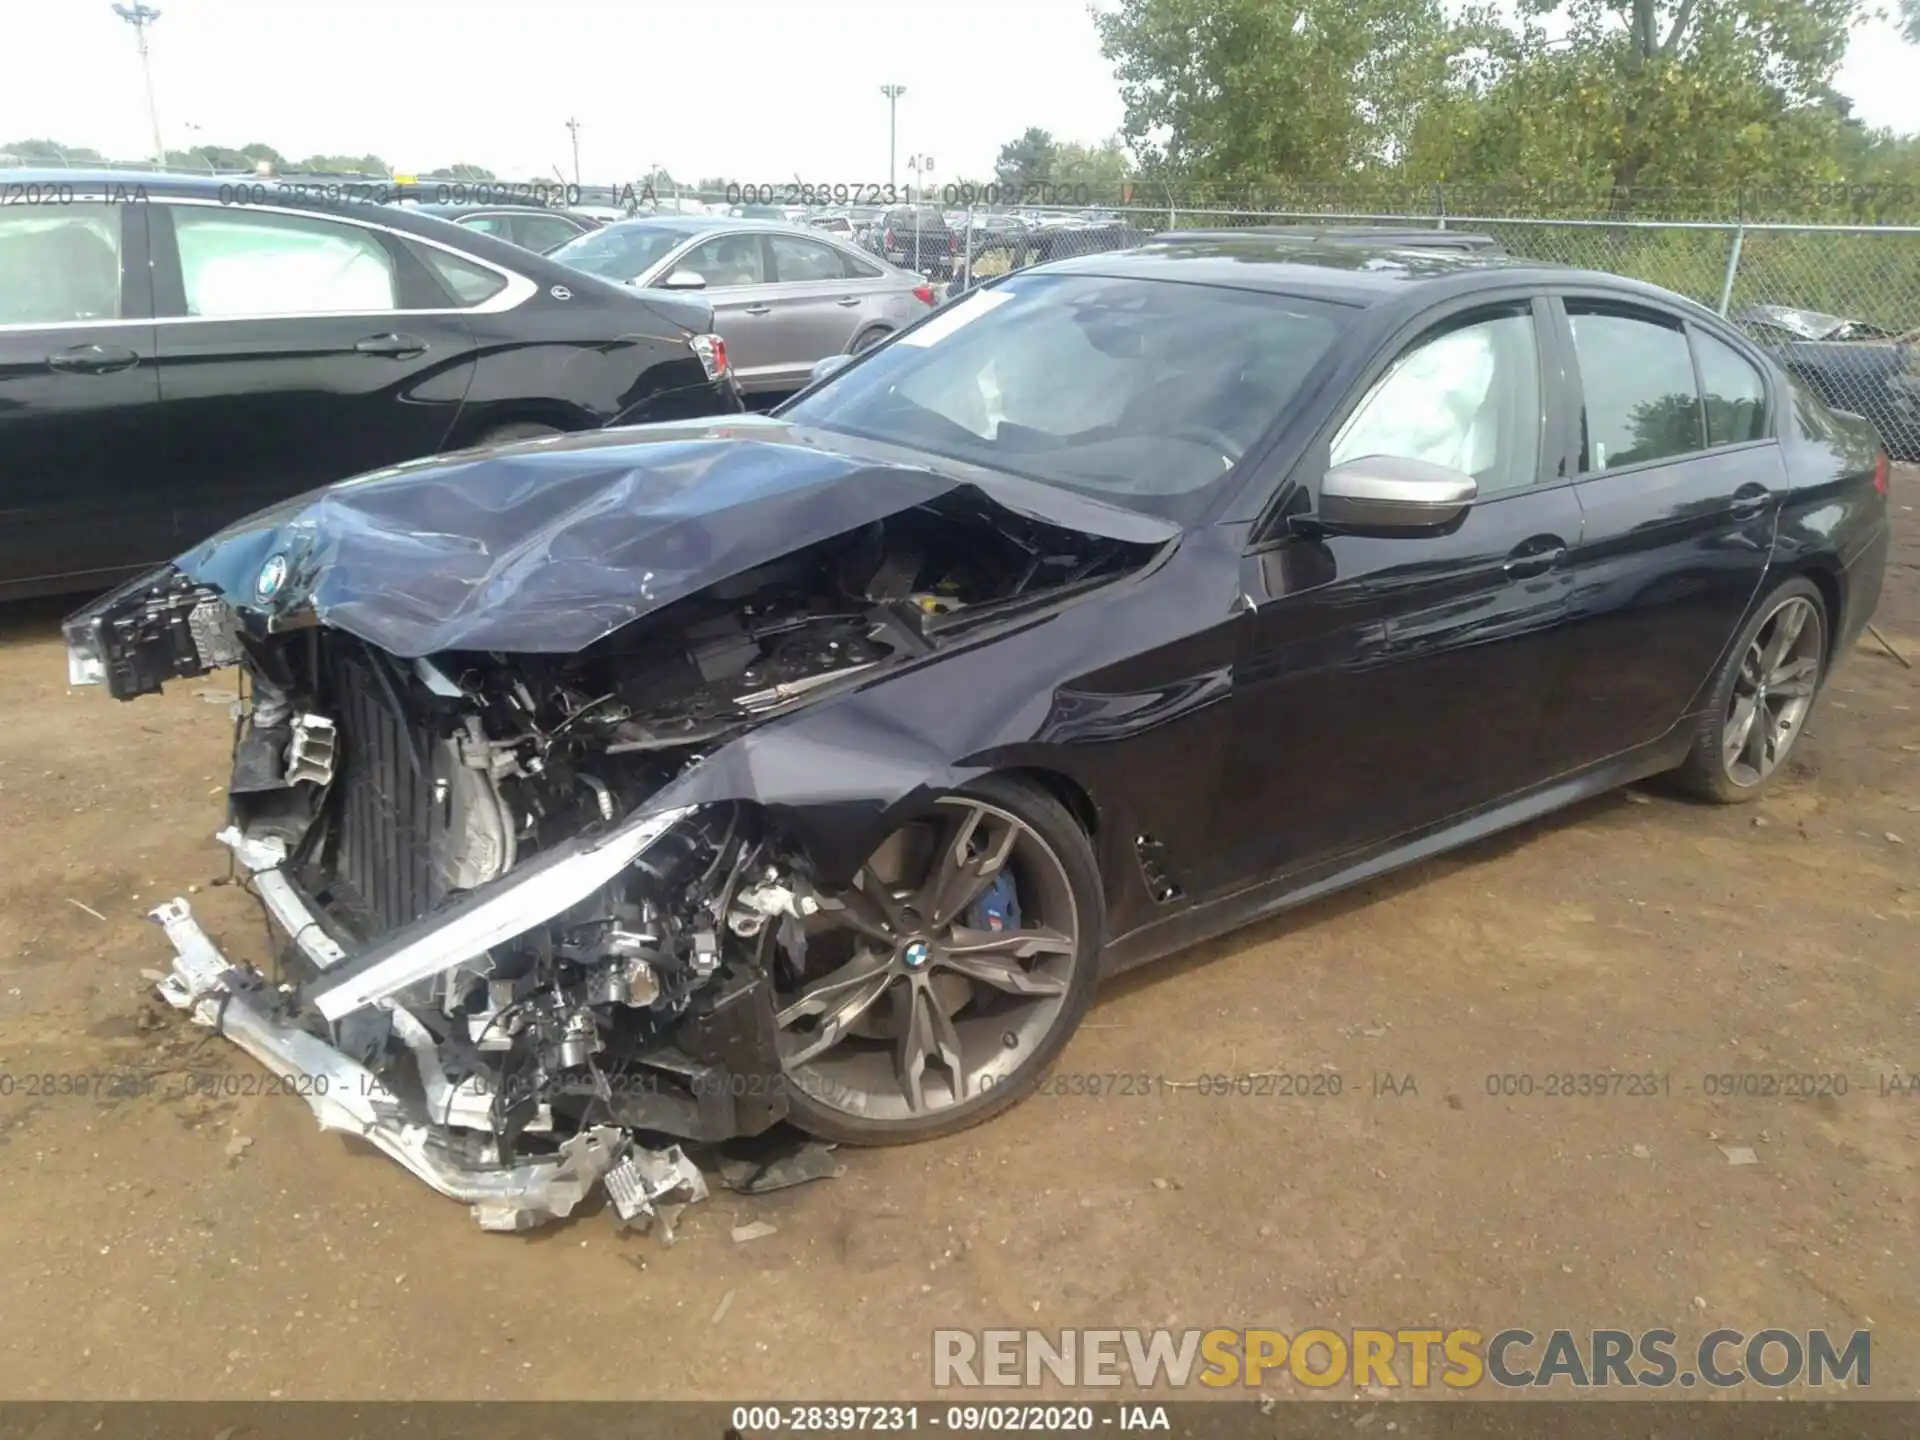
783 297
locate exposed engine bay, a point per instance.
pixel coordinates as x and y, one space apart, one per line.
505 964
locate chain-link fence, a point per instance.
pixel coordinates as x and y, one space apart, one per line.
1839 305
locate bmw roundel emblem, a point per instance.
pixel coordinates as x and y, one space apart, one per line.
561 292
273 575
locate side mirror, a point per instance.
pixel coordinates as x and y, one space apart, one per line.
1389 494
686 280
827 365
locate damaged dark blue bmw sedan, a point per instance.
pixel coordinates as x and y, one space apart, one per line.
659 784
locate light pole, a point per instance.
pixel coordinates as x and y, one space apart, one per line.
573 128
893 94
140 16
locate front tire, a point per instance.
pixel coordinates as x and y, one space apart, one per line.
1761 699
919 1014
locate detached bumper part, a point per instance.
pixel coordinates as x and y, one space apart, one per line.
345 1095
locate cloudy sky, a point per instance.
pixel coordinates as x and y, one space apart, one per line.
760 90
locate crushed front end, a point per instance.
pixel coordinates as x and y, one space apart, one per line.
506 806
504 966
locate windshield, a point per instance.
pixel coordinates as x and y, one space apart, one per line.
1144 392
618 252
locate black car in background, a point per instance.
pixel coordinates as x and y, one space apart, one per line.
1851 365
531 227
915 237
176 352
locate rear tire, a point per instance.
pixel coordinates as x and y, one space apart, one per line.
867 339
1761 699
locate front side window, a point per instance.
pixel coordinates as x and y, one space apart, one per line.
1735 395
1143 391
1467 397
59 264
726 260
1637 375
238 262
796 260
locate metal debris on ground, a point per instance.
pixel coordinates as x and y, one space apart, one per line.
88 908
752 1173
756 1230
720 1310
644 1178
1739 1155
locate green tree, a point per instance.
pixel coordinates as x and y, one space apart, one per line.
49 150
1099 171
1614 95
1028 160
1251 91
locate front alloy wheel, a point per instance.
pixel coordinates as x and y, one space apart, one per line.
939 985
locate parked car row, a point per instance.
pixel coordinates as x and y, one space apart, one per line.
167 367
783 297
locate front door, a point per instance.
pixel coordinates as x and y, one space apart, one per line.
1391 683
734 267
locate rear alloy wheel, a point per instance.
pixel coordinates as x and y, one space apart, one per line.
1761 702
865 342
941 984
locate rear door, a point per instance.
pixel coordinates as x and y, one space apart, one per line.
1680 496
295 349
818 306
82 482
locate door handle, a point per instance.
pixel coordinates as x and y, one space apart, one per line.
394 347
1749 501
1534 557
758 310
93 359
850 300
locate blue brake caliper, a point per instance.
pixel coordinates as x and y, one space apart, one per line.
998 907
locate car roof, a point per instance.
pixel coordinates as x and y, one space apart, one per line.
1398 236
1349 274
695 224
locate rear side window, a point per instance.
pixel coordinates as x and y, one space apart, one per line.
1637 376
251 262
1735 395
796 259
469 283
59 264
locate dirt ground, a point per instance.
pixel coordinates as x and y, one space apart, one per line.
175 1246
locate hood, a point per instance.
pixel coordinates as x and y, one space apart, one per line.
550 545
